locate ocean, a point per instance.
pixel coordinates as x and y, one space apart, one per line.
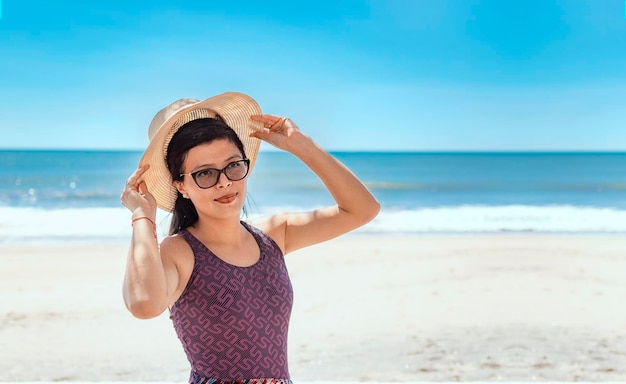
73 196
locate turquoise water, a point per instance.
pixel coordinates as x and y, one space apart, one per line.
62 179
419 192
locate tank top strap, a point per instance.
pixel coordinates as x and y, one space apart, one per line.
266 243
196 245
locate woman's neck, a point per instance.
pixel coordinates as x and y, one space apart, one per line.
219 232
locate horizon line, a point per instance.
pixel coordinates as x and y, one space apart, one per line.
272 150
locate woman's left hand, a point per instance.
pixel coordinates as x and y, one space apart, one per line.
278 131
355 205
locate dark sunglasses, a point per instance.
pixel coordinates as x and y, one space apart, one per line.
208 177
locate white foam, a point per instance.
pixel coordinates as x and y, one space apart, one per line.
68 225
516 218
113 224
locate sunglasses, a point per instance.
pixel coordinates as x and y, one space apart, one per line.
208 177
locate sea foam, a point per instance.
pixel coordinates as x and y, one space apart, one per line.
34 225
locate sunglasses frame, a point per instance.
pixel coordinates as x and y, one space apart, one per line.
219 173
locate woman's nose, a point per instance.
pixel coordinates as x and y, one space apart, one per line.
223 180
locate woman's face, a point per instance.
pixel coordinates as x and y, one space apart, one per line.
226 198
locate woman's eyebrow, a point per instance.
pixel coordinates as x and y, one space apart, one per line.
214 165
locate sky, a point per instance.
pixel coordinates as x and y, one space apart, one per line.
355 75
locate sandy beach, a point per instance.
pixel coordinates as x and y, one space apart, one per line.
392 308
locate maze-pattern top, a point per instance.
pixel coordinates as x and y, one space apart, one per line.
233 321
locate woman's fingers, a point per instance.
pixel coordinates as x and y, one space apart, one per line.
269 121
143 188
135 179
136 193
276 129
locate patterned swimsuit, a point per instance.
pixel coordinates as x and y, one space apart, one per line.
233 321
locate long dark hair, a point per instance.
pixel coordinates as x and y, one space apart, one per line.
188 136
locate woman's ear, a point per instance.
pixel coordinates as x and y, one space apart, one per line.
181 188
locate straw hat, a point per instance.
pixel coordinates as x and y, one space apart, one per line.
235 108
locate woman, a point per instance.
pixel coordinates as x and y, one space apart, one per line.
224 280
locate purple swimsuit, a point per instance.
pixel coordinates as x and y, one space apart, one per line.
233 321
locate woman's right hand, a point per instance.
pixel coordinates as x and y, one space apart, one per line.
148 274
136 196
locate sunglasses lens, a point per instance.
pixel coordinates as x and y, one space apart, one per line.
236 170
207 178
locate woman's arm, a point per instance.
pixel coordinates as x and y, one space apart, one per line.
355 205
149 276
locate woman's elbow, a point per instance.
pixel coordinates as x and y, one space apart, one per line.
368 212
145 309
373 211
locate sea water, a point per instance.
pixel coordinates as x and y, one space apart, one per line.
74 196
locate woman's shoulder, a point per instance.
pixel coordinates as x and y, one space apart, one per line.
176 239
272 226
174 247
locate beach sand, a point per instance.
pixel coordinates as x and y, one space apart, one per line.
392 308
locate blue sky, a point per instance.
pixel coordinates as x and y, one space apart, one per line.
355 75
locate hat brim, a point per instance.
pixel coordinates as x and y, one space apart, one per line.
235 108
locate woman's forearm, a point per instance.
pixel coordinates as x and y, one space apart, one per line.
350 194
145 287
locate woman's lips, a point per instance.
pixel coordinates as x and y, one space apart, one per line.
227 198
